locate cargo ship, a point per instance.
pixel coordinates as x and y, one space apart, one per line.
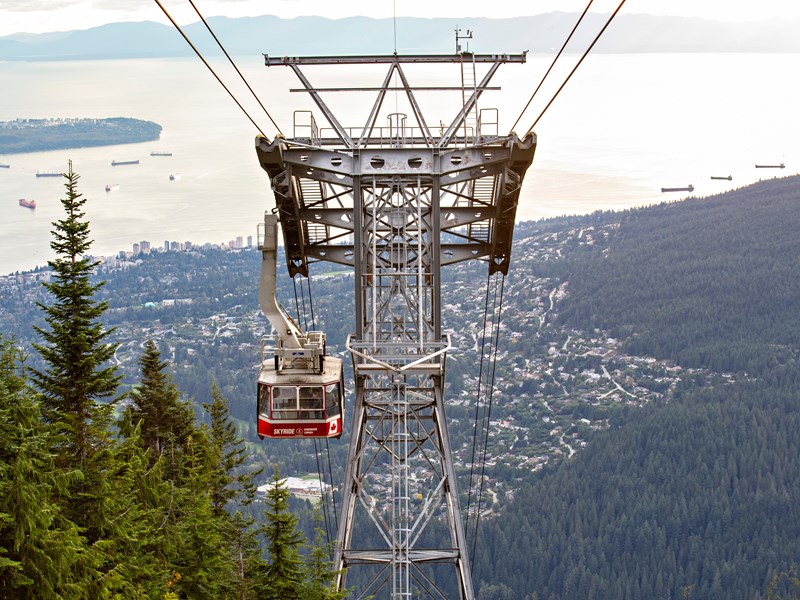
780 166
116 163
688 188
161 154
48 174
174 176
4 166
27 203
112 187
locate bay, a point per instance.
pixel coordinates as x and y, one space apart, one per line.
624 127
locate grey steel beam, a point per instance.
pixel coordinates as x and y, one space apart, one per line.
332 120
274 61
387 88
473 99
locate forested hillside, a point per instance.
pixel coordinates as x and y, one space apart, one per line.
698 498
707 282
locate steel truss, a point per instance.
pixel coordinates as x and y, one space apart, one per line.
396 203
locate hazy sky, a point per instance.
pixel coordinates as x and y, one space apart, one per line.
36 16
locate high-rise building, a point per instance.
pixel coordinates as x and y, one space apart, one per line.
136 249
249 241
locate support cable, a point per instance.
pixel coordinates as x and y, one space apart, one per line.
317 445
323 477
296 300
233 64
575 68
318 456
488 418
305 311
333 492
327 445
478 394
205 62
552 64
311 303
490 357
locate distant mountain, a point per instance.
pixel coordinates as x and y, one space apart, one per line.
354 35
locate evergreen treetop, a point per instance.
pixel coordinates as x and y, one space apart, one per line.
285 570
77 373
166 421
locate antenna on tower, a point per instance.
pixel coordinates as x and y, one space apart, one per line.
460 36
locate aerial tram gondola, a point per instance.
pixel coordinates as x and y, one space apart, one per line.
300 390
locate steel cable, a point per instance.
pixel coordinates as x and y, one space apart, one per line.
233 64
552 64
575 68
488 417
205 62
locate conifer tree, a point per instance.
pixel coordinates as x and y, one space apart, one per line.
228 480
139 551
285 570
77 373
41 554
158 430
248 579
166 421
320 578
77 388
230 485
199 556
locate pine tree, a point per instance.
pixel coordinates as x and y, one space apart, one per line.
166 422
199 555
158 430
248 581
75 349
228 479
232 486
285 571
41 554
320 577
78 387
143 508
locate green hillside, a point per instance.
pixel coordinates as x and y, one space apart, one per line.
697 498
711 282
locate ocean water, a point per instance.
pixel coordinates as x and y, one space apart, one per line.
622 128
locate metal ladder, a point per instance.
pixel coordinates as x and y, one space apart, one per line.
468 88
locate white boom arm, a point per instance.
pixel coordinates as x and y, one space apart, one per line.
295 350
289 333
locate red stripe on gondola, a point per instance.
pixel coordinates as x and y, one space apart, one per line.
299 429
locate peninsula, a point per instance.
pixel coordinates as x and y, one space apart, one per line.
37 135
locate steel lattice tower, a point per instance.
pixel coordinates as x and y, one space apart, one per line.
396 202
